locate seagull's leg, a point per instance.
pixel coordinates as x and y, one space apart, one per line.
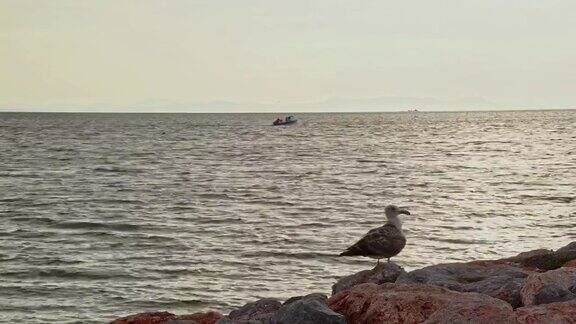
388 259
377 262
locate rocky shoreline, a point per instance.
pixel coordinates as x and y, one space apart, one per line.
537 286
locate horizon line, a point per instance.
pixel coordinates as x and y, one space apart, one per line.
283 112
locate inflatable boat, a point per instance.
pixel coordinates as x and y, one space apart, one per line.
289 120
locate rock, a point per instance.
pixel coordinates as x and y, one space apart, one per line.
417 303
257 312
500 281
545 259
226 320
570 264
197 318
317 296
145 318
564 255
551 293
568 249
523 256
309 309
540 259
554 313
548 287
535 259
382 273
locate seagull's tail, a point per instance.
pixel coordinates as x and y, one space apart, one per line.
353 250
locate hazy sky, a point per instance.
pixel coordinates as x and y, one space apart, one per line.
254 55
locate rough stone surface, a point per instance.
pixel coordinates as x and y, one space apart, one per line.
257 312
417 303
565 254
145 318
383 273
532 259
310 309
544 259
540 259
197 318
568 249
317 296
500 281
554 313
570 264
551 293
548 287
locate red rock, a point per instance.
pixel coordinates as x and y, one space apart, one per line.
498 280
550 286
562 312
382 273
145 318
570 264
416 303
201 318
490 263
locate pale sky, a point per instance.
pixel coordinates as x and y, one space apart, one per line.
261 55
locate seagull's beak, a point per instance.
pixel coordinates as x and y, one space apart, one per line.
404 211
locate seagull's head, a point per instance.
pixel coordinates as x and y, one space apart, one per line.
393 211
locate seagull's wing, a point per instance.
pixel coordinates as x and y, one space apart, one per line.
381 241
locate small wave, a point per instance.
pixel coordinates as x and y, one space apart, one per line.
61 149
315 209
563 199
44 220
459 241
450 227
139 154
370 161
71 274
211 220
306 225
118 201
182 271
159 238
118 170
102 200
18 175
21 233
309 173
296 255
95 226
213 196
51 261
11 199
365 172
7 257
270 202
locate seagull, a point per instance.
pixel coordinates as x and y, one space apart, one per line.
384 241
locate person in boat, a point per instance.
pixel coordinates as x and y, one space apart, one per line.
277 121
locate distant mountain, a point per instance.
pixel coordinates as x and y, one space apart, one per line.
397 104
335 104
328 105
